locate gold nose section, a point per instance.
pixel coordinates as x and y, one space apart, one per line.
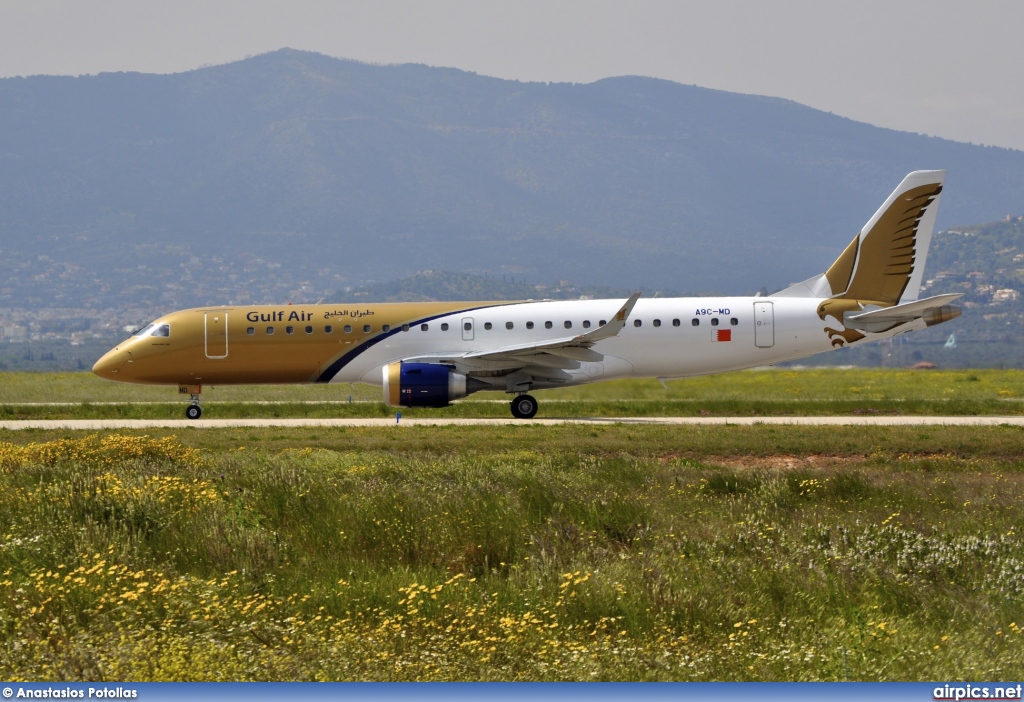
110 364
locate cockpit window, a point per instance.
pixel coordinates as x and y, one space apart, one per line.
153 329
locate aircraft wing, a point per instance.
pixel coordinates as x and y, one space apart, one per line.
932 310
576 348
553 355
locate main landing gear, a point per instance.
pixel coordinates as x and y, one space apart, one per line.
194 411
524 407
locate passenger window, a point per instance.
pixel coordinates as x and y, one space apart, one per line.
714 322
529 325
657 322
289 330
424 327
250 331
487 326
637 322
405 327
468 326
509 325
386 328
309 329
602 323
695 322
366 328
444 326
586 324
675 322
328 329
347 328
568 325
270 330
734 321
548 325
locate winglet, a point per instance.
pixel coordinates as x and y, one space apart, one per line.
614 326
627 308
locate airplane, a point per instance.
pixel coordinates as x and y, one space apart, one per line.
428 354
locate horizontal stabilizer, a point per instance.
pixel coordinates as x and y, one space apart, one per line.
933 310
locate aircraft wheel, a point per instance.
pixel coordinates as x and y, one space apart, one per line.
194 412
524 407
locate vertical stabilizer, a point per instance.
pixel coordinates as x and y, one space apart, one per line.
894 243
884 263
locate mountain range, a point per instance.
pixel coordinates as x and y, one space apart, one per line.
189 187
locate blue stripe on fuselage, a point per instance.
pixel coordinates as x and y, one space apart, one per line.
336 365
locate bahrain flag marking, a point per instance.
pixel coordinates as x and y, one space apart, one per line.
721 335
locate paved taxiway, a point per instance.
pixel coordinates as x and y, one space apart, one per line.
98 424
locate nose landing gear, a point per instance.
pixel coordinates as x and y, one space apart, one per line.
524 407
194 411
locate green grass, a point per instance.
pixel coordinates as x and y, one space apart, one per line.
516 553
744 393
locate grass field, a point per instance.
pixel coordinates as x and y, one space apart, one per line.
746 393
514 553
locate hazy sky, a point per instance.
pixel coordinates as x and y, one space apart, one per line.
941 67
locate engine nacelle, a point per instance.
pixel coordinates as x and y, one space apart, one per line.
424 385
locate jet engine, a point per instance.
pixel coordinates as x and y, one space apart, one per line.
425 384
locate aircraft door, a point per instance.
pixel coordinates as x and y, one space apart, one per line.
764 325
467 328
216 325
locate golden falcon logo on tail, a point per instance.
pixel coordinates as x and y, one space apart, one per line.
877 266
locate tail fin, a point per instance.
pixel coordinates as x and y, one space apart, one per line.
884 263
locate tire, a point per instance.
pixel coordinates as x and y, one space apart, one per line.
524 407
194 412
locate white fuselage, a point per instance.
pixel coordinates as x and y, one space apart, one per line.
652 344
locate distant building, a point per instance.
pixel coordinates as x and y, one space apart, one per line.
1005 295
15 332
